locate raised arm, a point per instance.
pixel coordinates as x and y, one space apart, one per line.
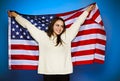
72 31
35 32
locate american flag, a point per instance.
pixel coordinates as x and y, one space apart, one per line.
87 48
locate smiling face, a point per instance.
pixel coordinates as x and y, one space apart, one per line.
58 27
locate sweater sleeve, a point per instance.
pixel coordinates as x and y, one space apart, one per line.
72 31
34 31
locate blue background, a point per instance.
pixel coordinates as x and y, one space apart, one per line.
110 12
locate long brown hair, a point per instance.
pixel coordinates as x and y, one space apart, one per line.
50 30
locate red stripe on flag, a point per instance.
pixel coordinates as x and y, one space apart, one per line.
74 16
82 53
85 23
87 42
82 62
99 51
101 23
91 31
88 52
98 61
24 47
96 15
67 26
88 22
23 57
23 67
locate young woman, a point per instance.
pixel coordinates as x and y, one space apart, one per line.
55 45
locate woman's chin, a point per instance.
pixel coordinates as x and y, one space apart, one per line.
58 33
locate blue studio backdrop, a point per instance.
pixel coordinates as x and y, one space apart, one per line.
110 12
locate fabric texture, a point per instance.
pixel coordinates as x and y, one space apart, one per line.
87 47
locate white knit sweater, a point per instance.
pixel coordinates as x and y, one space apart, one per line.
54 59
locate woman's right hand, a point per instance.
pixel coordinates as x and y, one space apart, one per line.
90 8
12 14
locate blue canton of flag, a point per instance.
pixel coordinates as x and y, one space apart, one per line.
40 21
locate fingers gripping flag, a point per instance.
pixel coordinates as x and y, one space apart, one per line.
87 48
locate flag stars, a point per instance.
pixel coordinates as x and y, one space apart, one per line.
39 27
13 36
21 36
47 20
17 26
43 24
43 21
46 28
28 17
20 29
13 29
24 33
28 37
17 33
39 18
43 17
35 24
39 22
13 22
51 17
31 20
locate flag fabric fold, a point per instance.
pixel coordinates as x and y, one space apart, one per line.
88 46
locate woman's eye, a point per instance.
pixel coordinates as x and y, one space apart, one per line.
57 25
62 26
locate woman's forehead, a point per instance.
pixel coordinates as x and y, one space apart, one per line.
59 22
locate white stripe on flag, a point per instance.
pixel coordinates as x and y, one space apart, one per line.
24 62
83 58
91 26
100 46
99 56
67 16
98 19
84 47
100 36
88 47
24 52
70 21
24 42
88 37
